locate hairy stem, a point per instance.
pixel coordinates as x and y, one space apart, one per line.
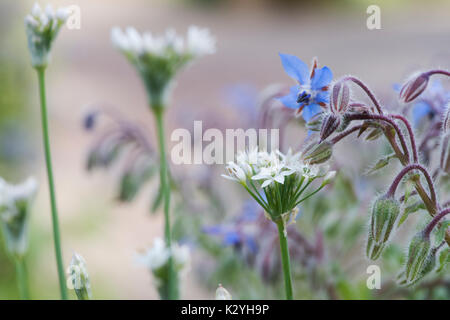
411 136
399 177
367 90
434 222
48 161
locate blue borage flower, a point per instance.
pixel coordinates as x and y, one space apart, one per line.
311 92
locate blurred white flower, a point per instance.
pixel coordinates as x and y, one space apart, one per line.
200 41
42 26
158 255
222 293
159 58
15 202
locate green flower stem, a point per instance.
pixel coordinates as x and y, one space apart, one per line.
48 161
22 281
165 187
285 260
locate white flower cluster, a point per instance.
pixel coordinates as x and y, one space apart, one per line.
198 42
156 257
42 26
267 168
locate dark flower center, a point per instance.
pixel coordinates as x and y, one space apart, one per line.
303 97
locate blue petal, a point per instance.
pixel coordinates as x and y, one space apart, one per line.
397 87
213 229
322 77
231 237
420 110
322 96
251 243
290 101
295 68
310 111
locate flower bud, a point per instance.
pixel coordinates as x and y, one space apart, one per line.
329 124
339 98
385 211
222 293
414 87
318 153
15 201
79 278
419 250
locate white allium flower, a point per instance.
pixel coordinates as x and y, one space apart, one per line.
156 256
235 173
159 58
181 256
42 26
222 293
15 201
79 277
329 177
200 41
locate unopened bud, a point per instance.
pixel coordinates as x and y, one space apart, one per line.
329 125
419 250
223 294
385 211
339 98
79 277
414 87
318 153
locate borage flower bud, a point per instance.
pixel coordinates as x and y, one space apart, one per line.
385 211
414 87
222 293
339 98
419 250
318 153
329 124
79 277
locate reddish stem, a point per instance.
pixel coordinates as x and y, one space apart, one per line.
434 222
399 177
367 90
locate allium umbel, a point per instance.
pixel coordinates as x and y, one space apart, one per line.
265 175
223 294
159 58
42 27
